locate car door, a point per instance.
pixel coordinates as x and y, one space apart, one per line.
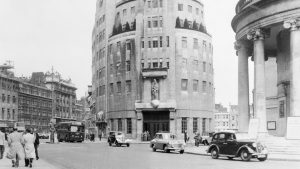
222 143
231 145
158 141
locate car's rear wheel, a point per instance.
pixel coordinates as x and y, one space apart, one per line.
166 150
214 153
118 144
109 143
245 155
263 159
128 144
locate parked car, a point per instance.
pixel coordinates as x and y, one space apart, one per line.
227 144
117 138
167 142
43 136
206 139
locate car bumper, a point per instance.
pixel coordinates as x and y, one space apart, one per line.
262 154
174 148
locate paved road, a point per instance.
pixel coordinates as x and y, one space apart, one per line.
140 156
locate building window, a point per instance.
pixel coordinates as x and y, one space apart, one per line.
195 85
195 125
190 9
204 125
119 87
184 84
112 126
142 64
196 63
8 114
155 23
3 98
184 42
149 4
197 11
161 3
203 86
129 126
119 124
204 66
128 86
168 41
155 3
180 7
13 114
128 66
8 98
161 21
155 44
160 41
155 65
124 12
183 124
149 24
149 43
132 10
143 43
195 43
3 112
128 45
111 89
281 109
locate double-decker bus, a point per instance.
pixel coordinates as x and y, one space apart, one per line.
70 131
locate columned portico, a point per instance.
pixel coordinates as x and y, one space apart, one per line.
243 86
258 36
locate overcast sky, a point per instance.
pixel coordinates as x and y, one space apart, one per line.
39 34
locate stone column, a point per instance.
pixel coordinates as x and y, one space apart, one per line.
258 36
172 121
293 122
243 86
293 25
139 124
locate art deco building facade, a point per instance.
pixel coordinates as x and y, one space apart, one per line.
153 66
268 30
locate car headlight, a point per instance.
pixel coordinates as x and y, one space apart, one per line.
254 145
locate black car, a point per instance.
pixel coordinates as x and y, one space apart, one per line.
226 144
117 138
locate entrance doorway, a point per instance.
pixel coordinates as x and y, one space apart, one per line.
155 121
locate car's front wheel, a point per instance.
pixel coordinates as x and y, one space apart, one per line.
263 159
245 155
214 153
166 150
181 151
128 144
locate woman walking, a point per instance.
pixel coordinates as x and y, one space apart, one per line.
16 150
29 139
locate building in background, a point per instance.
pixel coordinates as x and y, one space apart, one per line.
9 87
64 97
268 32
152 67
224 119
233 121
34 106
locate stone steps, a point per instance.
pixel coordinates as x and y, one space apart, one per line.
279 145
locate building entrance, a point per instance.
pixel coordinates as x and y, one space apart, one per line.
155 121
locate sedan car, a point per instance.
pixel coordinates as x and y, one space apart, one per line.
167 142
117 138
226 144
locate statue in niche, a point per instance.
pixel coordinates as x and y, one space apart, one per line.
154 90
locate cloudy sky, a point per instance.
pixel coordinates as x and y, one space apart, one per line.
39 34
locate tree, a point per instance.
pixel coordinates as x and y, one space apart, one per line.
120 30
127 27
177 23
186 24
195 25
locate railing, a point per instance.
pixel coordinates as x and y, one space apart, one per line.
242 4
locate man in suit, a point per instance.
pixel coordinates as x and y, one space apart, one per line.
2 140
36 143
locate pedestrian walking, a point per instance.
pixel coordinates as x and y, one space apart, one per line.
186 137
29 140
2 145
36 143
100 135
16 150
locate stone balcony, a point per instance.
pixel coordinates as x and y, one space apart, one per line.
155 72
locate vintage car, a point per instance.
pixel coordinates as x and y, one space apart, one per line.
117 138
227 144
206 138
167 142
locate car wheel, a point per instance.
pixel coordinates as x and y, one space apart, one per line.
181 151
263 159
245 155
109 143
128 144
153 149
214 153
166 149
118 144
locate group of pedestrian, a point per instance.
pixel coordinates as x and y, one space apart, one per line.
146 136
22 145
